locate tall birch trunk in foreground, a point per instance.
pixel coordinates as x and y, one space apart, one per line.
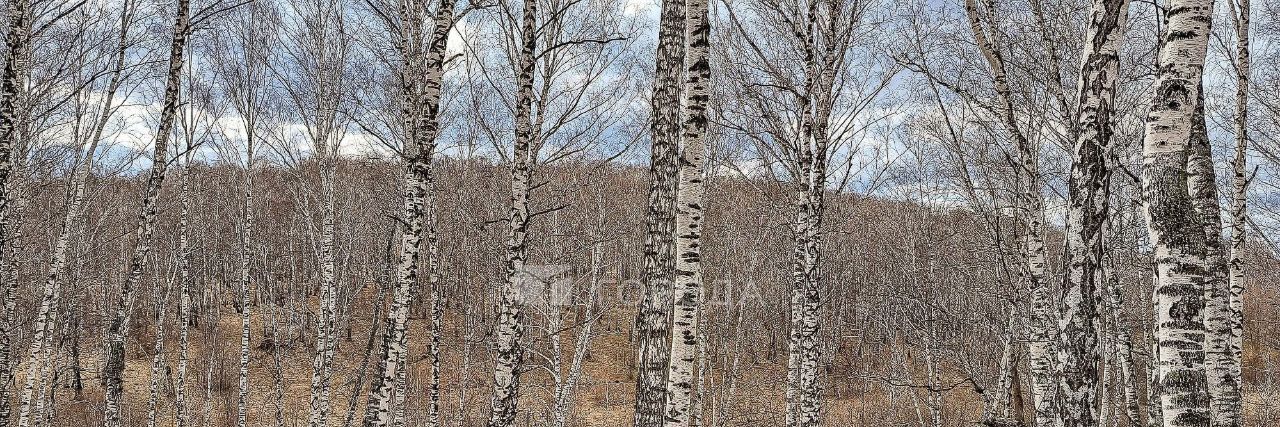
1078 348
11 85
509 328
1031 218
651 326
119 327
421 74
1174 227
689 217
823 44
326 335
1229 410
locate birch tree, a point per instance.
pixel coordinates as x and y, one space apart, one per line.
420 75
805 98
314 78
1175 230
1090 178
509 327
118 329
562 103
17 38
250 39
1228 409
75 198
1030 208
652 319
690 193
196 90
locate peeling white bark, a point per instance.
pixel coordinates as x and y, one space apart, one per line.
12 81
1175 229
1090 180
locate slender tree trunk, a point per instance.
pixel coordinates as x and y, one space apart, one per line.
1078 352
38 355
564 395
246 261
11 86
119 327
509 328
1041 336
278 365
321 376
804 381
47 378
422 103
652 347
1229 409
1176 232
184 305
689 218
437 305
157 359
75 200
402 379
358 383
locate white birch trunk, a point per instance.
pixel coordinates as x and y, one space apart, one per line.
421 77
509 327
564 394
71 221
1227 407
1175 230
318 414
182 418
246 261
821 60
119 325
437 306
1040 347
326 145
157 359
402 374
12 82
278 371
1222 378
1078 346
652 347
38 355
689 218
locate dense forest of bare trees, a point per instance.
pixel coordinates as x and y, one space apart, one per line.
653 213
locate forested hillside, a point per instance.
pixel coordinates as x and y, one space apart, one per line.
919 314
720 213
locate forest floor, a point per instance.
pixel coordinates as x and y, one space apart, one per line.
604 396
